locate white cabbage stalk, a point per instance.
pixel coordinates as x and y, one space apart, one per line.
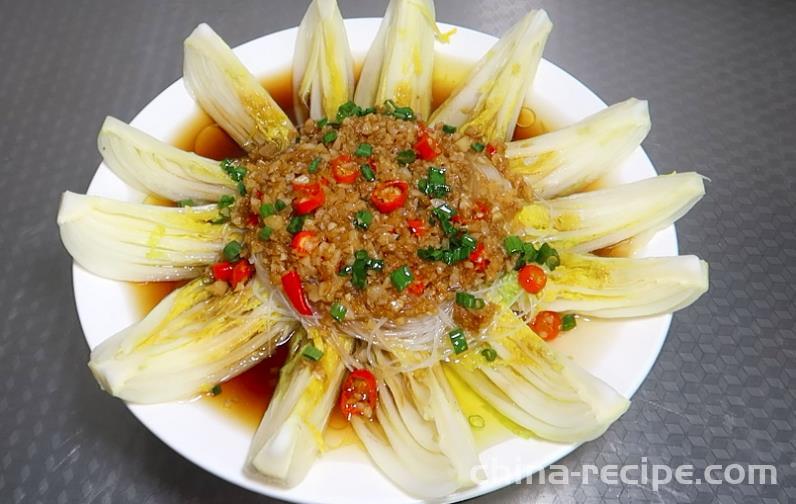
615 287
569 159
232 96
151 166
492 95
395 449
141 243
536 387
290 435
399 63
592 220
323 68
428 410
191 341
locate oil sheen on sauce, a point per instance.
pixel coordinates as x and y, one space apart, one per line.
244 399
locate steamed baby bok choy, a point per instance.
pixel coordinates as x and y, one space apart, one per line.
536 387
231 95
191 341
151 166
569 159
589 221
608 287
420 439
138 242
399 64
491 96
290 435
323 68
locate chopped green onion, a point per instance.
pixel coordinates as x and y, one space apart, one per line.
367 110
406 156
329 137
513 244
320 123
345 270
401 277
477 146
430 254
186 203
476 421
232 251
361 254
241 188
226 201
405 113
314 165
359 273
363 219
489 354
337 311
467 300
312 352
458 340
348 109
234 171
364 150
367 172
296 223
447 128
434 185
216 390
265 233
280 205
267 210
568 322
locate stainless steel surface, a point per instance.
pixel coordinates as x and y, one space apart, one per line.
721 79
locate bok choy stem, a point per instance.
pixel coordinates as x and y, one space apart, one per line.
138 242
155 167
323 68
231 95
191 341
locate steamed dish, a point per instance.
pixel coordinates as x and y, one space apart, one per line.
391 246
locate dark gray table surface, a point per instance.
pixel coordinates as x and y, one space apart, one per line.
721 80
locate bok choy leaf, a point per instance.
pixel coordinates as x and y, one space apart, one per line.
569 159
191 341
592 220
152 166
231 95
290 435
399 64
323 68
534 386
608 287
489 99
138 242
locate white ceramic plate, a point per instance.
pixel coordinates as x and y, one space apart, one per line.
621 353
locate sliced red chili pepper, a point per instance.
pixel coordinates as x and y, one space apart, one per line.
253 220
359 394
417 226
546 324
532 278
241 272
303 242
490 149
310 198
389 196
417 287
294 290
477 258
222 271
458 219
426 146
344 170
482 211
